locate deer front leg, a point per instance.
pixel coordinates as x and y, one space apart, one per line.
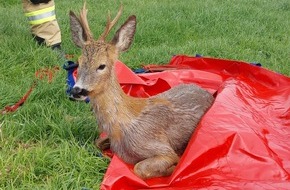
156 166
102 143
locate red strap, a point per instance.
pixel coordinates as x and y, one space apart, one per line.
14 107
69 56
49 73
39 75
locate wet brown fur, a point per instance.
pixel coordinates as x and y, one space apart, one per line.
150 133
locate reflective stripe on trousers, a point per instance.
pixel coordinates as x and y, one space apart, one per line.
41 16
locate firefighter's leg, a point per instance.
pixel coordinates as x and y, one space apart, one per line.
43 23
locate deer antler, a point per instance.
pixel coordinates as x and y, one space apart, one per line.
84 22
110 23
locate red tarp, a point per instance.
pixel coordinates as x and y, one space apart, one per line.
243 141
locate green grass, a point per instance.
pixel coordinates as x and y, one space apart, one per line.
48 142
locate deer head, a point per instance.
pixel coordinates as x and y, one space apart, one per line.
98 56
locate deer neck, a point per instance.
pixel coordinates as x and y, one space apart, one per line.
115 109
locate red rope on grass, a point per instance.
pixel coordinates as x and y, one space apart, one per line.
39 75
49 73
69 56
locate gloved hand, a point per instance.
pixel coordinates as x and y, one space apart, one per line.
39 1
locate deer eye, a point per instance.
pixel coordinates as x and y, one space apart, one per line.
101 67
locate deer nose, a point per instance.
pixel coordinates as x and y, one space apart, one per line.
77 92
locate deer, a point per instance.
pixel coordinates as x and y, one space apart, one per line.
150 133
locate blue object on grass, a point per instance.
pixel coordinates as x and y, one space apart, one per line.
70 67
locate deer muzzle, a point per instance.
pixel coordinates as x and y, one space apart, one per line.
78 92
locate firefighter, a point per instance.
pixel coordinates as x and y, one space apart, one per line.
43 24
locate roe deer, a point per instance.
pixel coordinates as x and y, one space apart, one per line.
150 133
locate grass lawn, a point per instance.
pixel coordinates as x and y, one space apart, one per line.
48 142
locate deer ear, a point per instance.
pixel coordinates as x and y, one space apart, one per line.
125 34
77 31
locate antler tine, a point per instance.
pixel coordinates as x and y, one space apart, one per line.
110 23
84 22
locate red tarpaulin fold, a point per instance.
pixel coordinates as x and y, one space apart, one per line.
242 142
